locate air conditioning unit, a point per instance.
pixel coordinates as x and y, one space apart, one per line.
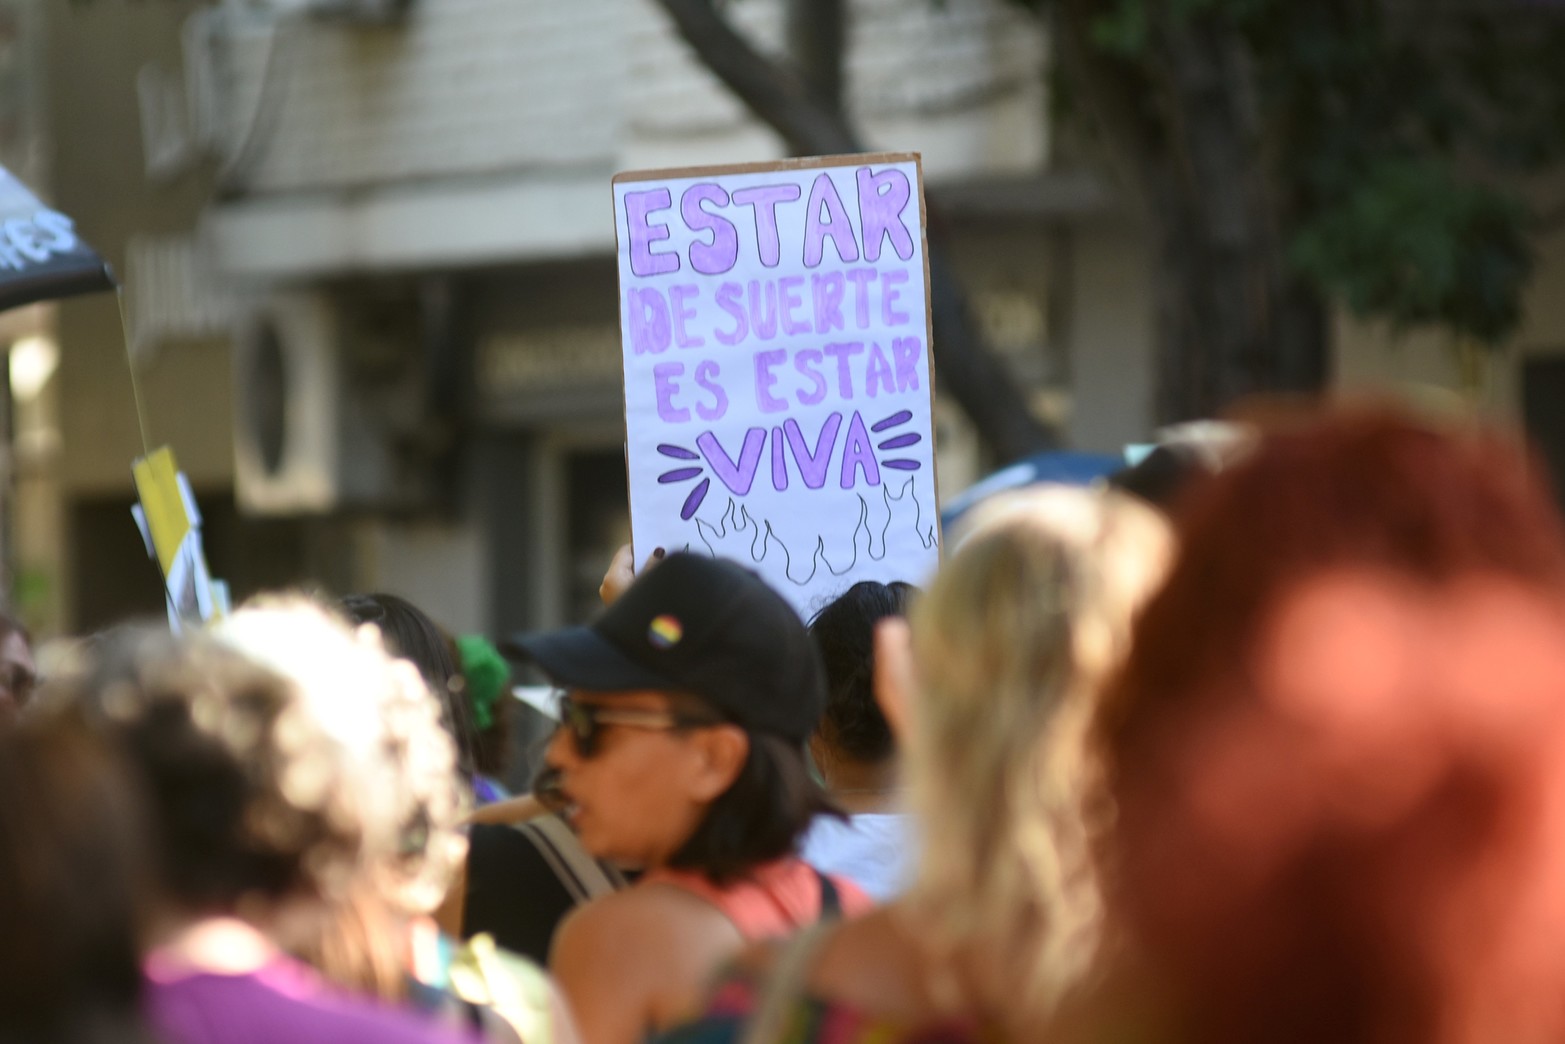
329 408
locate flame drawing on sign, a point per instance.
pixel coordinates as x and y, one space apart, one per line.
740 536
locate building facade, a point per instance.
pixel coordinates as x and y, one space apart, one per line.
370 285
370 290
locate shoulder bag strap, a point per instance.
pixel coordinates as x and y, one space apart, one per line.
784 987
583 876
831 898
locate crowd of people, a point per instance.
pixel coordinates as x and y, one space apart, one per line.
1250 745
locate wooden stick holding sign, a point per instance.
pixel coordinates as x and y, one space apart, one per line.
778 380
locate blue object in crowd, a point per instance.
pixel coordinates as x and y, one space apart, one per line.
1066 467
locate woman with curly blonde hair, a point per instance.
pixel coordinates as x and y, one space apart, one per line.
994 689
260 822
296 772
404 763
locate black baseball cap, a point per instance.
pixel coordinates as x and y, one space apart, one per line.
700 625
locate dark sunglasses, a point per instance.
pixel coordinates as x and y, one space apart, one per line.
585 722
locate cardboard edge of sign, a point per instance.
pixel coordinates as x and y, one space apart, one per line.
929 359
847 159
792 164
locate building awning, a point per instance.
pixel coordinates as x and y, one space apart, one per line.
452 223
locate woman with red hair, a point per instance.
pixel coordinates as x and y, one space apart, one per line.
1339 750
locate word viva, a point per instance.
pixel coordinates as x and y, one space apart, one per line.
738 471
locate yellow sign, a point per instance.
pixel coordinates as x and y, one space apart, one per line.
168 519
170 523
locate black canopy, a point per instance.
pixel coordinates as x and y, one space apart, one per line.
41 256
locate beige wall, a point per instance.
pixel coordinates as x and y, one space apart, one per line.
489 87
1110 342
1433 367
96 51
94 54
1110 338
440 566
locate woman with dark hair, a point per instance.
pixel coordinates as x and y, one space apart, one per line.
1338 746
485 689
410 633
854 748
18 672
72 877
681 754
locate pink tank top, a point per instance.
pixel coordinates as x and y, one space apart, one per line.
774 900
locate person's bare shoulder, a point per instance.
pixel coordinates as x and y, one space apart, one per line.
855 958
599 959
650 947
871 964
652 908
611 936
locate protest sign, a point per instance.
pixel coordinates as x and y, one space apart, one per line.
41 256
778 388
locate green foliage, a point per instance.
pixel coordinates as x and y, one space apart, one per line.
1393 136
1411 244
1124 31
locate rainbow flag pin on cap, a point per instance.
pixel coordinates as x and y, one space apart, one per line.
664 632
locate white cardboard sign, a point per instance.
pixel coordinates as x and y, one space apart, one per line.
778 386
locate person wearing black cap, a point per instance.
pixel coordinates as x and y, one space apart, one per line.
681 754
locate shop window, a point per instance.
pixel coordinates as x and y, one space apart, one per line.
597 522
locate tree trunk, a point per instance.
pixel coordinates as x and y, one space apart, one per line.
1230 323
1231 319
1246 325
807 114
817 41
